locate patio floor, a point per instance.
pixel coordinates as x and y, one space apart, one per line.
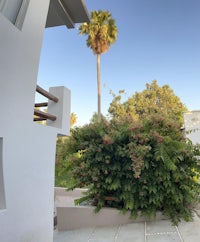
156 231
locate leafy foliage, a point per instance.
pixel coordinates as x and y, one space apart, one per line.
154 99
73 119
145 165
63 173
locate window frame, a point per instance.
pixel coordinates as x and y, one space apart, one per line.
20 13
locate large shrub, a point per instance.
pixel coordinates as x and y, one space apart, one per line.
63 172
142 166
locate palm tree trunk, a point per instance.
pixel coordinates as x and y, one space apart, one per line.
98 88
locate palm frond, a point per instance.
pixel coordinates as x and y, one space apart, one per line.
101 31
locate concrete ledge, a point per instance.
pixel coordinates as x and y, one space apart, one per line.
71 217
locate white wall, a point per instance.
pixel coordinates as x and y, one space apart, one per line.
192 125
61 109
27 149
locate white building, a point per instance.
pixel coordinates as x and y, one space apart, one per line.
192 125
27 149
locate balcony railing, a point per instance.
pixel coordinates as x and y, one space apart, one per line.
41 115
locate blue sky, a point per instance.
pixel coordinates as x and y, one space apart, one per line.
157 39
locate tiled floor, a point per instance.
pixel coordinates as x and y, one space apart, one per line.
157 231
162 231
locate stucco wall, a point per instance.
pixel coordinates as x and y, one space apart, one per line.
27 149
192 125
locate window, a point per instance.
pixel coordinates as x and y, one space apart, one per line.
14 10
10 9
2 193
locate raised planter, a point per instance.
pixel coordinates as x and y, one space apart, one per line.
71 217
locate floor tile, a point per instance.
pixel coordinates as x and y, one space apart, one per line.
190 231
79 235
159 226
167 237
104 234
131 233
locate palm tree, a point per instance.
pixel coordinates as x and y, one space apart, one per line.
102 32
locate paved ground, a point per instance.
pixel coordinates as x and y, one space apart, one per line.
157 231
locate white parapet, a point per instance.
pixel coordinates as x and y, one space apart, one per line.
61 109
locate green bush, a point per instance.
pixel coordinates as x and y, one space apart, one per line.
63 172
142 166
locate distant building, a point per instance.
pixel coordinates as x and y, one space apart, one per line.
27 149
192 125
